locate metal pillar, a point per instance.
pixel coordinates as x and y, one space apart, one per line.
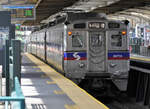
14 62
7 67
16 46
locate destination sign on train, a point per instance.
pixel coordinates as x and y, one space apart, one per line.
22 12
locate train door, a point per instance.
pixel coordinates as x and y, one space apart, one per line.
96 51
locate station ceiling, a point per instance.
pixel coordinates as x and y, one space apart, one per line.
17 2
135 10
46 8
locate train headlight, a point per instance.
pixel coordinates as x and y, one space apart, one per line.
124 32
69 33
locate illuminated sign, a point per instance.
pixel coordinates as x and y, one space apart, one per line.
22 12
17 27
24 28
96 25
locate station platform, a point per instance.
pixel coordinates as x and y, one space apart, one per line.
140 58
140 63
45 88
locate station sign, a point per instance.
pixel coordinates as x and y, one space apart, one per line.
20 27
21 12
24 28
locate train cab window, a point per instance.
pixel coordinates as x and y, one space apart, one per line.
96 40
116 40
77 41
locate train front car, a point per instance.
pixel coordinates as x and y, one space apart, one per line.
118 53
96 49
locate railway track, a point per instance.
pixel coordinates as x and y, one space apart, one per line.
122 102
119 101
138 93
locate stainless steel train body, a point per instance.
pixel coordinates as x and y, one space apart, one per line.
85 46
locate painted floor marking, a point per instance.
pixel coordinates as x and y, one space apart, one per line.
50 82
43 76
35 66
71 106
59 92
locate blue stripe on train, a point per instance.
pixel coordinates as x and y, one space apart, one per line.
72 54
83 55
119 55
75 56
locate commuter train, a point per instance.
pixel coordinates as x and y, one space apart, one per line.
85 46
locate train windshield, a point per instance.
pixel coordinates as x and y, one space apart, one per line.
116 40
77 41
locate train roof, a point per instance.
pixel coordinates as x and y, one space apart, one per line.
70 17
77 16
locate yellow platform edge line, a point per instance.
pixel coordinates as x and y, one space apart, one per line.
138 58
30 57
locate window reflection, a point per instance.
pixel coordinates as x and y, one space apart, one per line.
116 40
96 40
77 41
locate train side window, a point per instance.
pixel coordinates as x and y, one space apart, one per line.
116 40
77 41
